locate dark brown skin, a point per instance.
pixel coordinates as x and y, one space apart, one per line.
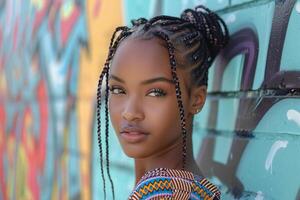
133 102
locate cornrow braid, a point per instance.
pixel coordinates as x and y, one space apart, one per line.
164 18
211 25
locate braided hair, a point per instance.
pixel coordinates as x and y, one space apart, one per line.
193 40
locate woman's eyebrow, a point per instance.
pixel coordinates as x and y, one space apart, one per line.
116 78
158 79
145 82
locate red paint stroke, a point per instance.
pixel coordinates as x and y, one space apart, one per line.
53 13
1 62
41 15
42 97
3 189
15 34
24 33
2 119
97 7
1 39
67 24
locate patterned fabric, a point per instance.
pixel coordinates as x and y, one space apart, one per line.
163 183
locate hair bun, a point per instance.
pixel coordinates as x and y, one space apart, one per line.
210 25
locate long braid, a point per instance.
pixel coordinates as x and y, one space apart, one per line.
99 128
98 110
171 52
107 135
113 50
105 72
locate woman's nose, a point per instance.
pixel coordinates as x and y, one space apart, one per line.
132 111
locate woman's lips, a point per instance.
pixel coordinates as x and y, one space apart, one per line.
134 136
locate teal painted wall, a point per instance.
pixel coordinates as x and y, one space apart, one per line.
247 137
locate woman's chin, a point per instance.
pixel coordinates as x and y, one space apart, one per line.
136 153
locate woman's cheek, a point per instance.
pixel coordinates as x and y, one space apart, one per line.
115 111
161 112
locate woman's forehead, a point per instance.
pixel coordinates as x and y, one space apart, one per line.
147 56
137 60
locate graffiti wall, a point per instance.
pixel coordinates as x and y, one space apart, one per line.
50 57
246 139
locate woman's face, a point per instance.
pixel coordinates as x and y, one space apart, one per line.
142 103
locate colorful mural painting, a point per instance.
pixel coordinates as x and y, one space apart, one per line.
246 138
50 57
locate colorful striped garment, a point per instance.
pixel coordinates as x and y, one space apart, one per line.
163 183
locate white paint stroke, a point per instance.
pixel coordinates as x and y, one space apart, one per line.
230 19
297 7
259 196
55 68
275 147
293 115
199 2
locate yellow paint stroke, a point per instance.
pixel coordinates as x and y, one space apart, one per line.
38 4
100 28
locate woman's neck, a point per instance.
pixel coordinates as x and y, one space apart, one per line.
170 158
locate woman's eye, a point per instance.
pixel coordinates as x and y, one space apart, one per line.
157 93
116 90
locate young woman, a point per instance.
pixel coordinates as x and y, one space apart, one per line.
156 78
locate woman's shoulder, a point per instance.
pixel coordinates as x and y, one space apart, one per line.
174 184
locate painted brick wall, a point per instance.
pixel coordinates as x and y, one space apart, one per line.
247 136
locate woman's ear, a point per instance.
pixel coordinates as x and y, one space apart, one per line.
198 97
